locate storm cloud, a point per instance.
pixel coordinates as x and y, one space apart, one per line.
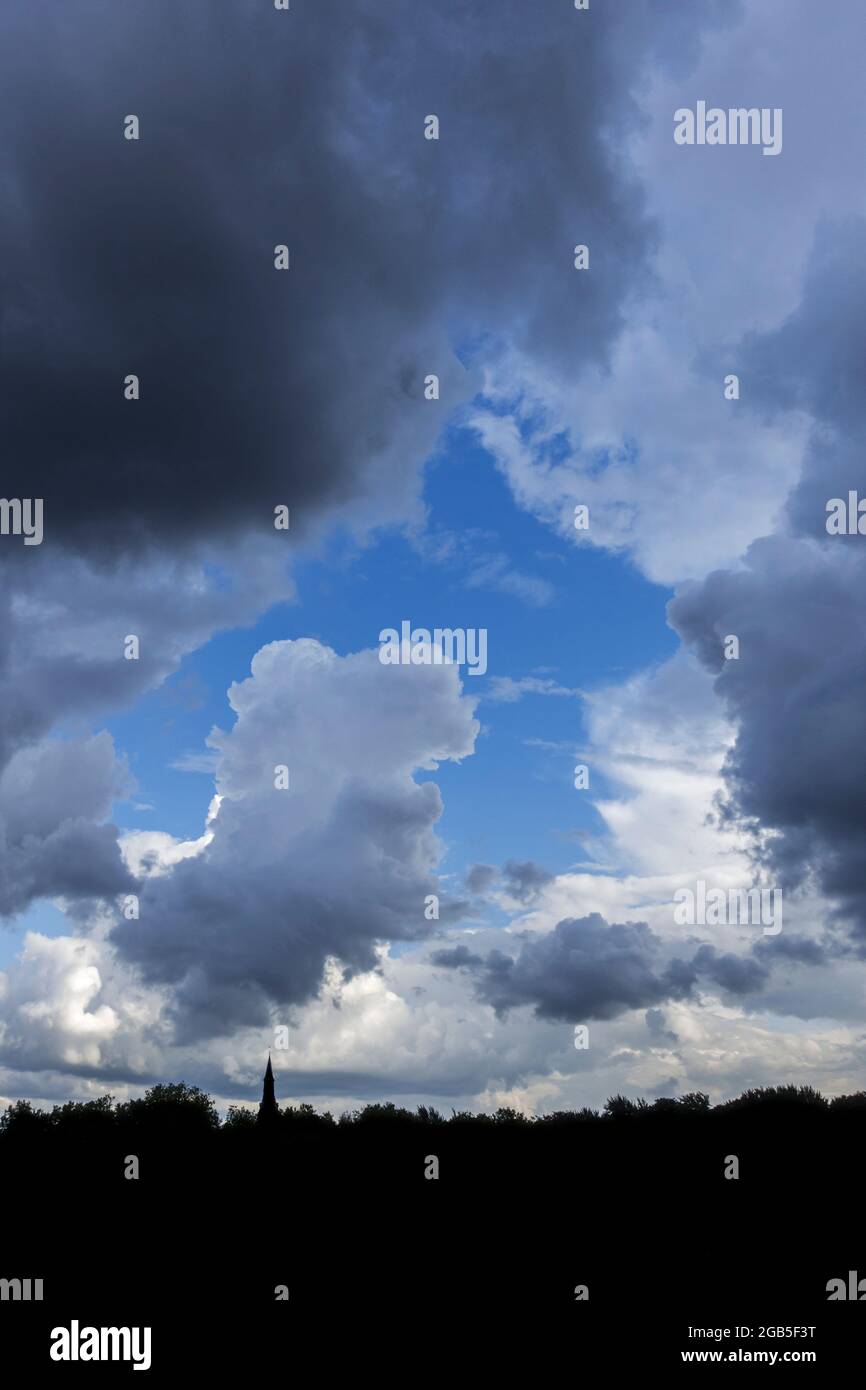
585 968
795 695
156 256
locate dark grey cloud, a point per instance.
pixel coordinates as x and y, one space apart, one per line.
795 695
815 360
234 938
814 363
798 950
78 860
480 877
664 1088
63 625
585 968
734 974
525 880
54 838
657 1026
456 957
156 256
798 766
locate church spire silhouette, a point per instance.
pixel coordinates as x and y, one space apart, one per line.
268 1109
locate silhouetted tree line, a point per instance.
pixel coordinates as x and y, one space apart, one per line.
303 1199
178 1112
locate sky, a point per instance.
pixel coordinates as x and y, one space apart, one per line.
151 781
